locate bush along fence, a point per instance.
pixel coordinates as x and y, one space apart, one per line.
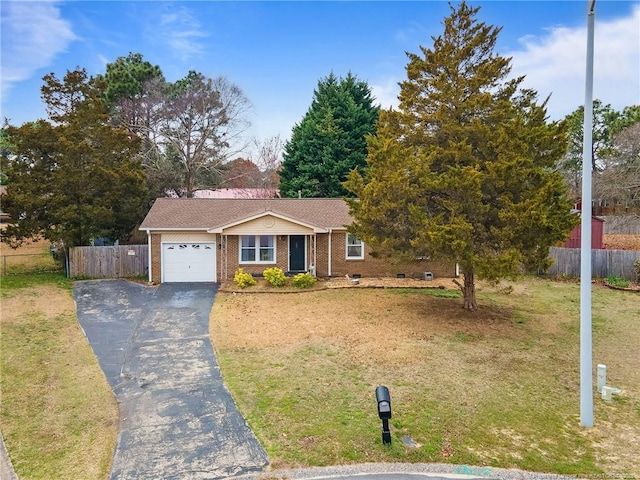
604 263
119 261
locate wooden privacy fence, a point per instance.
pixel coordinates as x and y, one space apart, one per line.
109 262
133 261
618 263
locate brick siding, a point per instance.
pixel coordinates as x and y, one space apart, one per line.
156 267
227 260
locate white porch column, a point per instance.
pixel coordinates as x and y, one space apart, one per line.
149 254
329 253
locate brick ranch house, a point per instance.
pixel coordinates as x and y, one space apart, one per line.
208 239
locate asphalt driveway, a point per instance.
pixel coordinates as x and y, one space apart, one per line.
177 419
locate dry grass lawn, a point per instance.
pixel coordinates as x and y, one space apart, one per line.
498 387
58 415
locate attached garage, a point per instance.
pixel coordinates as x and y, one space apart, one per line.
189 262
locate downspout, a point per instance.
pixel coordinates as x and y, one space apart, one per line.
149 253
330 253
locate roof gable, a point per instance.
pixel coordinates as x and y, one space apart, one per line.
267 214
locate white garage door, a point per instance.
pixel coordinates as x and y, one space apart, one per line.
188 262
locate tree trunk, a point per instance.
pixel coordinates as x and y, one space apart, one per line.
189 182
468 290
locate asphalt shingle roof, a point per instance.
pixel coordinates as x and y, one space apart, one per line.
196 213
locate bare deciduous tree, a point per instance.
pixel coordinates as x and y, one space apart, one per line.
268 157
619 181
257 176
201 121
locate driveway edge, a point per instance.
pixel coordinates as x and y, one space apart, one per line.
6 468
419 470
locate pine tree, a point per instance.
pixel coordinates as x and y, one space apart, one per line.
464 169
126 82
330 140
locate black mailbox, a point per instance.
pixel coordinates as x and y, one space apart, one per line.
384 402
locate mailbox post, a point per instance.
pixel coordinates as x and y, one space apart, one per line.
384 412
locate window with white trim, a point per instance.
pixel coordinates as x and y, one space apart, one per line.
257 249
355 247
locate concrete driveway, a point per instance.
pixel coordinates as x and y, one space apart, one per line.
177 419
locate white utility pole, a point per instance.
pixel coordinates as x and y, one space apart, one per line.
586 353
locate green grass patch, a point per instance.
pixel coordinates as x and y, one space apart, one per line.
13 282
617 281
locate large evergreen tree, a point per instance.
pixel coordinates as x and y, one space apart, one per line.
75 177
330 140
464 169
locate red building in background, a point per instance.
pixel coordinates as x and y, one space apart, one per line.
597 231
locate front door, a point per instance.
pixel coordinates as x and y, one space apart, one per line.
297 253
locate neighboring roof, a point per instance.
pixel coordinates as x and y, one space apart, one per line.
236 193
211 213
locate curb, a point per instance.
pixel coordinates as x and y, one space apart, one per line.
417 470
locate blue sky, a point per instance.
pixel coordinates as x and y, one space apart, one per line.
278 51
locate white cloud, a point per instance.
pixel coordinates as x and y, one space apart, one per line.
33 33
386 93
181 31
555 64
412 30
103 60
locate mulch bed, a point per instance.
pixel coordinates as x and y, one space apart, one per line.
262 286
633 287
